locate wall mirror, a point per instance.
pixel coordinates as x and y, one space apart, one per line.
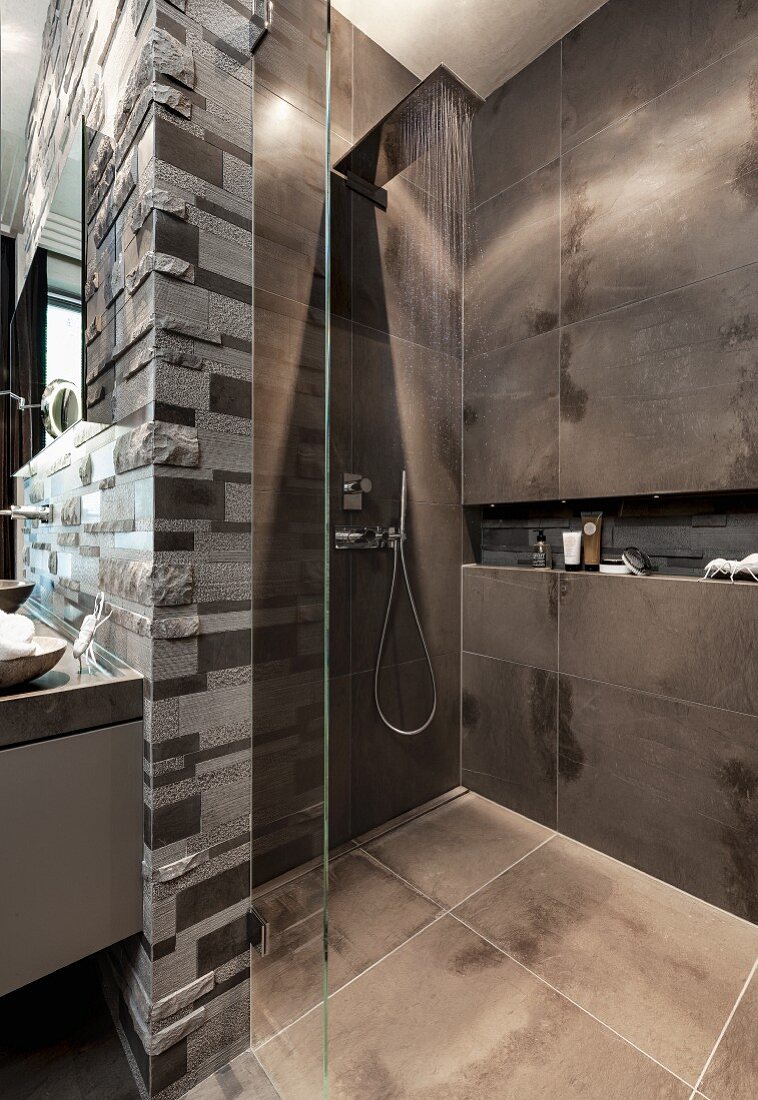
41 215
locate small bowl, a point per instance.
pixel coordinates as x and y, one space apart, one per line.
14 593
22 669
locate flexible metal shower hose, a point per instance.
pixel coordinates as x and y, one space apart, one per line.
398 548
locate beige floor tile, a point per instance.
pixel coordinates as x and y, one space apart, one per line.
448 1017
370 913
242 1079
661 968
457 848
733 1073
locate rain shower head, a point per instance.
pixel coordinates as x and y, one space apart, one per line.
384 151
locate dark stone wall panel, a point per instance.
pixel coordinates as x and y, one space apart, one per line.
517 130
664 393
678 637
509 746
664 785
510 407
391 773
665 197
630 51
512 616
406 415
512 278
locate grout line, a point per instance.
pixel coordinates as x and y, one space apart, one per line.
405 881
659 881
610 683
501 873
565 997
666 91
726 1025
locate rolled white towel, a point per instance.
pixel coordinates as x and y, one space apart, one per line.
16 637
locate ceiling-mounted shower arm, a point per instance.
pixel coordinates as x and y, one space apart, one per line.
260 22
384 151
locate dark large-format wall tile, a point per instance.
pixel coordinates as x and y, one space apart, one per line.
512 285
511 614
510 414
666 196
518 129
406 415
404 280
380 83
433 556
289 199
679 637
643 387
510 734
630 51
392 773
665 785
291 59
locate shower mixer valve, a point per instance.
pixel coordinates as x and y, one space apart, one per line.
364 538
353 488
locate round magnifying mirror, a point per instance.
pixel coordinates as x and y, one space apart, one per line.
60 406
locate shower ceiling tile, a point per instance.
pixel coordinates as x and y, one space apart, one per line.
518 129
645 385
509 721
448 1015
661 968
673 660
511 616
662 785
512 278
666 196
510 420
627 54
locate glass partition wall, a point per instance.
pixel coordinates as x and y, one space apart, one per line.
458 348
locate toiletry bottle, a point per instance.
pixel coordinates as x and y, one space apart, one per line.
542 555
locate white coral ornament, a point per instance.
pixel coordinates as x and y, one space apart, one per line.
728 567
84 644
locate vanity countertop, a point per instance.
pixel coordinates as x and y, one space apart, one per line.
63 701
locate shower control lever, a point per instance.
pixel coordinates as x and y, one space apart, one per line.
353 488
362 538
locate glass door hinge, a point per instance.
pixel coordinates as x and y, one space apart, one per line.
260 22
257 932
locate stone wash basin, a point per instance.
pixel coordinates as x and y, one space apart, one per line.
21 669
13 594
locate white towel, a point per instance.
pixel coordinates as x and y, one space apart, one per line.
16 637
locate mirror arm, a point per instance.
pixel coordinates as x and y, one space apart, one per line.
23 404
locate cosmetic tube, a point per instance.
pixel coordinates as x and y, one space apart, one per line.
572 550
592 526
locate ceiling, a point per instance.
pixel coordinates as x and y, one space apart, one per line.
484 42
21 25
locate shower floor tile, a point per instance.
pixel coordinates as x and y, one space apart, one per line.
449 1017
657 965
454 850
561 973
371 913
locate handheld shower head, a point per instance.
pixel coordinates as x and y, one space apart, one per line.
403 504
